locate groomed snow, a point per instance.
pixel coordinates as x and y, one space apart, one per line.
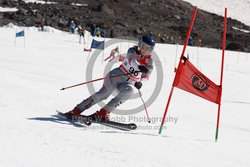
31 134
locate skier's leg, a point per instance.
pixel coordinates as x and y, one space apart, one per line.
84 39
80 40
102 94
112 58
107 58
125 92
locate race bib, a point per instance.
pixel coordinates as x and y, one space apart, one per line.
130 67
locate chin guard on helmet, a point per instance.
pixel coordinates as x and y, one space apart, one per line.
146 43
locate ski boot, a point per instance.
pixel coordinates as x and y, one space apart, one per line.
100 116
75 112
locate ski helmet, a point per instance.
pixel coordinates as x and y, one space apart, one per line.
147 43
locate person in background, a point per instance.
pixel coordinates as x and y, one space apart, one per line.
190 41
81 32
111 32
41 24
72 26
97 32
92 29
112 54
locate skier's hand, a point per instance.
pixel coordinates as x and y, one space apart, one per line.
138 85
143 68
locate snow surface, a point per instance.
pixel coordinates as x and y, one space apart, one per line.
239 10
34 69
2 9
38 1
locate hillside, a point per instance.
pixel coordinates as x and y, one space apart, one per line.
166 19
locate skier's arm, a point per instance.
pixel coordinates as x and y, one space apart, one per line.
132 53
150 67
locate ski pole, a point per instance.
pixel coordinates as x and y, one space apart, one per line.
83 83
145 107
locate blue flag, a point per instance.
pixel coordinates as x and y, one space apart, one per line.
20 34
97 44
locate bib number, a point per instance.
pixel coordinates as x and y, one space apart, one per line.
132 71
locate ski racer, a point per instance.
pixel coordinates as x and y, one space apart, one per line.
136 67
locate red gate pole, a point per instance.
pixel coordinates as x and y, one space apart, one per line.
221 76
166 110
182 55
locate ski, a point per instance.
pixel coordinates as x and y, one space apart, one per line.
117 125
86 120
105 122
121 126
80 119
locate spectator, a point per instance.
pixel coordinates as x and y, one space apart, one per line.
111 32
72 26
199 42
104 34
81 32
97 32
92 28
190 41
41 24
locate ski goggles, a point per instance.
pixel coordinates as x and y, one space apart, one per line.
146 47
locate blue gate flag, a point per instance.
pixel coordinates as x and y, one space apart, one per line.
97 44
20 34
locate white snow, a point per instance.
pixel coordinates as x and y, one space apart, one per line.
38 1
79 4
239 10
4 9
242 30
32 135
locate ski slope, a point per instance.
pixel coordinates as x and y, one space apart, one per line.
34 70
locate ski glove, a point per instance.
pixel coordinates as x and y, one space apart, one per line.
143 68
138 85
